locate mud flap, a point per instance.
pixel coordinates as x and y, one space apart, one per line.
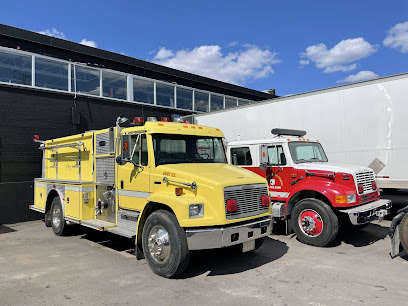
395 243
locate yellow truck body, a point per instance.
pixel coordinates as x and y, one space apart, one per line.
172 178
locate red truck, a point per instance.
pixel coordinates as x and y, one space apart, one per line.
309 194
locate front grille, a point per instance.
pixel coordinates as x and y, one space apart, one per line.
248 198
366 178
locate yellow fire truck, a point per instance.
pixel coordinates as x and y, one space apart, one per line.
165 184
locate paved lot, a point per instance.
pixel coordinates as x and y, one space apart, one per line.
94 268
89 267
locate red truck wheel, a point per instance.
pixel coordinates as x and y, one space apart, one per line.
404 232
314 222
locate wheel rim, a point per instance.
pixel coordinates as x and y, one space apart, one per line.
56 216
311 223
159 243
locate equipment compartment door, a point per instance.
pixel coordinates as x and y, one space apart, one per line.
72 203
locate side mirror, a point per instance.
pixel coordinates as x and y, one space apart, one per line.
263 159
120 161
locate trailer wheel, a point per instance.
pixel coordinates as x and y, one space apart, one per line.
314 222
58 223
404 232
165 244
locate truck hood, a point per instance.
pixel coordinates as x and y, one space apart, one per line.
333 167
210 174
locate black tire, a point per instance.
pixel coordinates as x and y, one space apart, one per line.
47 220
58 223
169 242
314 222
403 231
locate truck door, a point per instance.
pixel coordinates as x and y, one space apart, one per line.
133 178
278 174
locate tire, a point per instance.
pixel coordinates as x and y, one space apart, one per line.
404 232
314 222
58 223
47 220
165 244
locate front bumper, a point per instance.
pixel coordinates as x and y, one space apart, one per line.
365 213
213 238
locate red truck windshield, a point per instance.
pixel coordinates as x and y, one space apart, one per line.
306 152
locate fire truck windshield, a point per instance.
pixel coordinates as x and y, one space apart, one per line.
177 149
306 152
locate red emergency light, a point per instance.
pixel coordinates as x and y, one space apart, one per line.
165 119
36 137
137 121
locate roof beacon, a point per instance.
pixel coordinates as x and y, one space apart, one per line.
151 119
287 132
137 121
165 119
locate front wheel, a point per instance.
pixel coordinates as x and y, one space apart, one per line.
404 232
165 244
314 222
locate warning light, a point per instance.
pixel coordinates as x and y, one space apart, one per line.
125 146
165 119
36 137
137 121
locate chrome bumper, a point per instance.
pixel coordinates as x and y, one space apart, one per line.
213 238
368 212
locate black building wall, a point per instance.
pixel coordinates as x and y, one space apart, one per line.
26 112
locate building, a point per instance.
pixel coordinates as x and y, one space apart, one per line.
52 87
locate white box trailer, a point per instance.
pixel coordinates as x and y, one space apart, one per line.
363 123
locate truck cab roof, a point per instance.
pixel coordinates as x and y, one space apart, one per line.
270 141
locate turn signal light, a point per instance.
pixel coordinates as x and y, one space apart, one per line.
374 184
266 200
125 146
360 188
179 191
232 205
342 199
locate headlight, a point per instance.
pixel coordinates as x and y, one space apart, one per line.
351 198
196 210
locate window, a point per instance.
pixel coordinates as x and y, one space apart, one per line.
307 152
217 102
164 95
229 102
184 98
85 80
51 74
243 102
143 90
176 149
201 101
114 85
241 156
15 68
276 157
140 153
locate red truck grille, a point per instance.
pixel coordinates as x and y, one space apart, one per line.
367 179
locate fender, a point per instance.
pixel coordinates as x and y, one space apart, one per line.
324 186
60 189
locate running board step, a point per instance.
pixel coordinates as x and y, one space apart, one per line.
97 224
127 222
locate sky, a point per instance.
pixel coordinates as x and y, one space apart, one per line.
291 46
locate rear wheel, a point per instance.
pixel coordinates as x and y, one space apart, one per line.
404 232
165 244
58 223
314 222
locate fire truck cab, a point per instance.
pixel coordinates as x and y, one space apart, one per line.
313 196
166 184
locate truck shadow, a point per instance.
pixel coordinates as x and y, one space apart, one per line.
361 238
231 260
5 229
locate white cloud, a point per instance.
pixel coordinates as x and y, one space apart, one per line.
361 76
304 62
237 67
89 43
53 32
398 37
233 44
336 59
163 54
